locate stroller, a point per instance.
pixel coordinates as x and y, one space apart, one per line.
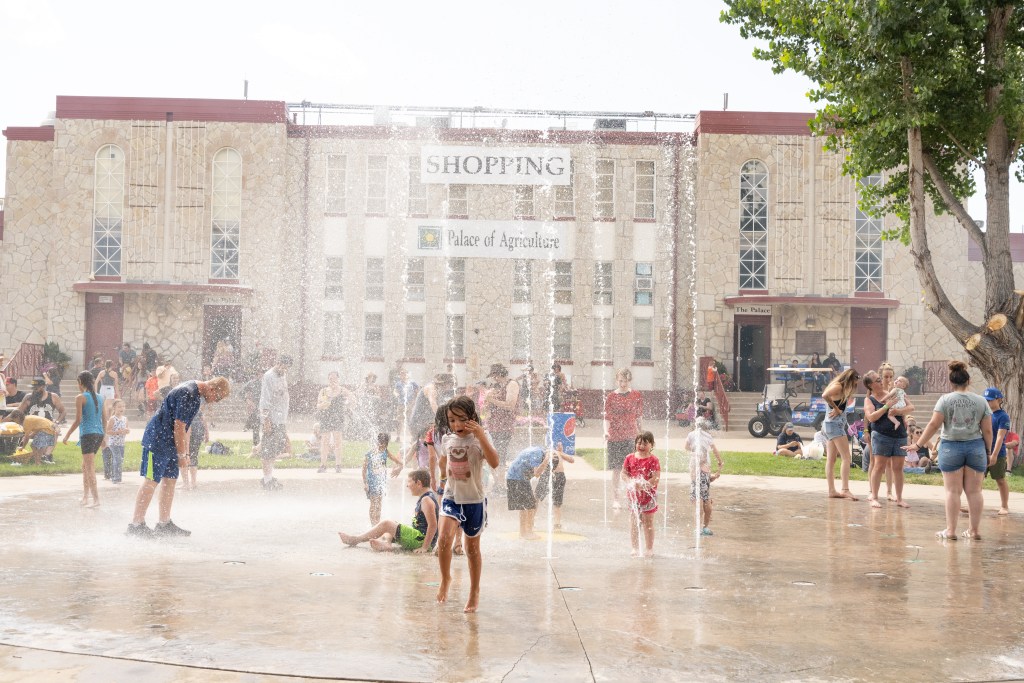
856 434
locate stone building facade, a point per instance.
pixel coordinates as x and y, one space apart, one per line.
185 222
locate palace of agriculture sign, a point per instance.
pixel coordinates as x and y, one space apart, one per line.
491 239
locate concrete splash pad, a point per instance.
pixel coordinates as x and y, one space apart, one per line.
793 586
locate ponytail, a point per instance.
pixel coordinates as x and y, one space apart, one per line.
86 379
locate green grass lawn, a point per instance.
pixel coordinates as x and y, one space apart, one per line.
766 465
68 459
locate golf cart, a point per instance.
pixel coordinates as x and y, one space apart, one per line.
773 412
775 409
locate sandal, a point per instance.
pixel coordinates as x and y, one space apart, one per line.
944 536
969 536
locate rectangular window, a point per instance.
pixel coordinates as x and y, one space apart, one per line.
562 343
414 336
521 338
376 184
604 189
643 331
334 325
565 197
417 190
603 283
375 279
415 280
643 285
373 335
458 201
525 206
563 282
334 277
455 337
455 279
602 338
337 183
643 197
522 282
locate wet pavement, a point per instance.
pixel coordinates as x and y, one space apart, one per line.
792 586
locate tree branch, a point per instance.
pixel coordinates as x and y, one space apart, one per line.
963 150
954 204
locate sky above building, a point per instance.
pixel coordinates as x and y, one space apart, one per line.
643 55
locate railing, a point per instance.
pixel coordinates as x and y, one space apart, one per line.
25 362
723 401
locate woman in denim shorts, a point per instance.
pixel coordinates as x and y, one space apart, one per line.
966 423
887 440
837 395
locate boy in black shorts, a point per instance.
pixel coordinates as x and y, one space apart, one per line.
557 470
529 463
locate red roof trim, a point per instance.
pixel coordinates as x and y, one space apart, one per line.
860 302
1016 249
40 133
180 109
159 288
752 123
495 135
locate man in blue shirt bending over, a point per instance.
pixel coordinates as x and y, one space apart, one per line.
165 449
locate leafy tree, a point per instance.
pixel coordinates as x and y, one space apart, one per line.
928 92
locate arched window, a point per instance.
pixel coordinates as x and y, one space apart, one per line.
227 214
754 226
868 275
107 211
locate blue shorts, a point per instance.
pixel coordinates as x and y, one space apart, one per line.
157 466
883 446
43 440
472 516
835 427
955 455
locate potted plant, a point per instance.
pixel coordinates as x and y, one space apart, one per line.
54 360
915 376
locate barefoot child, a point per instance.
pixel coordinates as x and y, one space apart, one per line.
375 474
557 469
700 444
198 434
418 537
464 504
91 414
641 472
530 462
117 429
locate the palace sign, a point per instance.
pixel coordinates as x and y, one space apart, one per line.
491 239
495 165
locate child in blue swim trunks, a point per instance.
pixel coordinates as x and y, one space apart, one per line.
463 454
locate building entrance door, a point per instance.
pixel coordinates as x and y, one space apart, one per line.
869 338
222 323
752 351
104 326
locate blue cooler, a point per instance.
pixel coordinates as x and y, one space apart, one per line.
562 430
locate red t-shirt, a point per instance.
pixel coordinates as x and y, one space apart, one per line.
622 412
642 468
